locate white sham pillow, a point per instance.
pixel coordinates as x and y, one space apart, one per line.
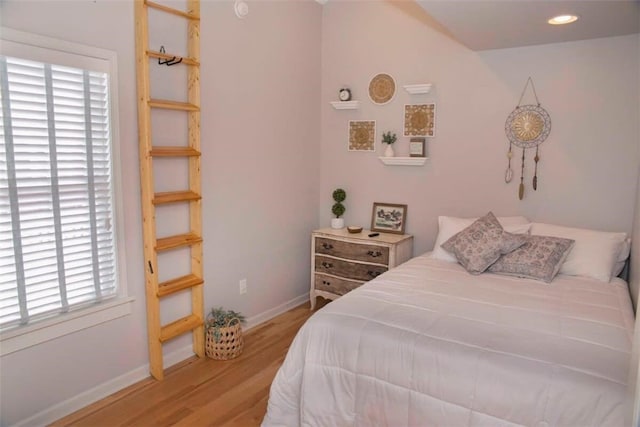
594 254
622 257
450 225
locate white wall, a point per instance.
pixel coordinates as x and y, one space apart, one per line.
634 282
260 144
270 163
588 165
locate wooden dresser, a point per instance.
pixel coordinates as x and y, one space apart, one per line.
341 261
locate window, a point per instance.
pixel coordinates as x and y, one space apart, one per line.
58 239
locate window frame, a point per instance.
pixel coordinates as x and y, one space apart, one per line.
25 336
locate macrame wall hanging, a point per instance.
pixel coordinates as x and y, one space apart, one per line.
526 127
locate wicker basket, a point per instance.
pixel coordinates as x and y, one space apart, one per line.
230 341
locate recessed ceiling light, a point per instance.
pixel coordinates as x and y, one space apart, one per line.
562 19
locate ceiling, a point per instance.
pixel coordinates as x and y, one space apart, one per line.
491 24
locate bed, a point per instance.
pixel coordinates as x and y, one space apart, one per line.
428 344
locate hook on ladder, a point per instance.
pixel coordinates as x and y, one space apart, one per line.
168 62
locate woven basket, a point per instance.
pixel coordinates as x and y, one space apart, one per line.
230 342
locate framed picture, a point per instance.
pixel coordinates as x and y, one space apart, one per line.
417 147
388 217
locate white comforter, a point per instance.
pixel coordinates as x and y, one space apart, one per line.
427 344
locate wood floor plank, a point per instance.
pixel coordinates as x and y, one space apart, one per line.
203 392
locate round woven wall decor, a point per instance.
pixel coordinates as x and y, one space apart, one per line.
382 88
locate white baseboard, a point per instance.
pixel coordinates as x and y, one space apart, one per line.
105 389
86 398
254 321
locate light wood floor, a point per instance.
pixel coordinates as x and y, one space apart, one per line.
203 392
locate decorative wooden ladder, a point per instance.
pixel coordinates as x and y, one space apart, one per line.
157 333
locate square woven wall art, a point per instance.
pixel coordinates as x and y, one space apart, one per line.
362 135
419 120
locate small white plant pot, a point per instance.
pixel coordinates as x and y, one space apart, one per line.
337 223
388 152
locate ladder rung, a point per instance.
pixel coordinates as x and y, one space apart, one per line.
174 152
175 285
174 197
185 60
172 10
173 105
177 241
179 327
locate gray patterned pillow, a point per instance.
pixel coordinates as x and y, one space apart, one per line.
482 243
540 258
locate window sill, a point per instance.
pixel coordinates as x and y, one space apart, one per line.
46 330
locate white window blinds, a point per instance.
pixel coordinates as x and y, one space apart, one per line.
57 248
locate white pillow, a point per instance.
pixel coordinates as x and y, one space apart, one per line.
622 257
594 254
449 225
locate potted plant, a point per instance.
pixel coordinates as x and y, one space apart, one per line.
389 138
223 334
339 195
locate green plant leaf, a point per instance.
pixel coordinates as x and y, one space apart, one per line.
219 318
339 195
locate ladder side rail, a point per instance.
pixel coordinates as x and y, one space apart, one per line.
195 206
146 184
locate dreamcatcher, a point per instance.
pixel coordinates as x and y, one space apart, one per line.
526 127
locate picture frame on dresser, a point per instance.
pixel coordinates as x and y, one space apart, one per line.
388 217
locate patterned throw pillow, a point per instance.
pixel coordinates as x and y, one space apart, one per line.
482 243
539 259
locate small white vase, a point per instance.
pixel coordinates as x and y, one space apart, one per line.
337 223
389 151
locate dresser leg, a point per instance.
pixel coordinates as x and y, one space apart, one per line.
313 299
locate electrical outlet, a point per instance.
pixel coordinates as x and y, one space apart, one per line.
243 286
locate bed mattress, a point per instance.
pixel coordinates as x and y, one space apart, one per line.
428 344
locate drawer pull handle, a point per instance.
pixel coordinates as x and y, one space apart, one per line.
374 254
373 273
324 282
327 246
326 264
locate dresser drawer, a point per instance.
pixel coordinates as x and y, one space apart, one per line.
352 270
355 251
334 285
